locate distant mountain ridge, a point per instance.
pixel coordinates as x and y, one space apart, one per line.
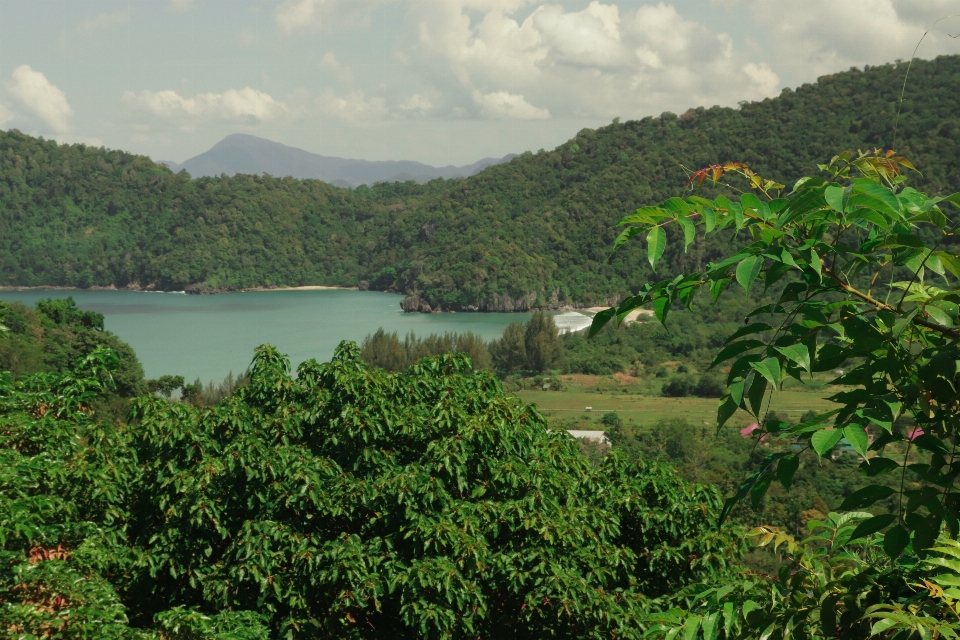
250 155
535 232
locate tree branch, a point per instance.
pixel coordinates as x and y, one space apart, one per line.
882 306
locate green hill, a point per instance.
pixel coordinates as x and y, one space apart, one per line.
535 232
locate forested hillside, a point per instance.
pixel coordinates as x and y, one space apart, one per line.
534 232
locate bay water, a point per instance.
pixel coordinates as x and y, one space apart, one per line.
207 337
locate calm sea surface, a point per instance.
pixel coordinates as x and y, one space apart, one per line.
208 336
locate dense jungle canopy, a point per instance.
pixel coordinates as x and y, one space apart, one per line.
535 232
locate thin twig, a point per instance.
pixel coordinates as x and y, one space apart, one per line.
903 90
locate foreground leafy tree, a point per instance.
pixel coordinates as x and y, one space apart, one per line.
346 502
66 494
857 251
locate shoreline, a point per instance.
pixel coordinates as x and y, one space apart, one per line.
309 287
48 287
632 317
629 318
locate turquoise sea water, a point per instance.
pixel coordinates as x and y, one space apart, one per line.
209 336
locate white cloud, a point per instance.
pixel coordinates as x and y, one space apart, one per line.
329 62
588 38
813 37
298 16
597 62
44 100
76 139
417 104
6 115
104 21
235 105
502 104
353 108
181 5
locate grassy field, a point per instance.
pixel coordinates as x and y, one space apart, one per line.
634 402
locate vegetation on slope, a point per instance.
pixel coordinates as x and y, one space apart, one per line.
535 232
54 335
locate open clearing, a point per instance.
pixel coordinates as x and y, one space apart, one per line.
635 404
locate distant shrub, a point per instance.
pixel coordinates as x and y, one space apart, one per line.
706 386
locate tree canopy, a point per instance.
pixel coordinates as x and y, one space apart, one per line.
346 502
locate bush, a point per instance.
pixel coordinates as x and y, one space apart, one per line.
706 386
679 387
385 350
344 502
710 386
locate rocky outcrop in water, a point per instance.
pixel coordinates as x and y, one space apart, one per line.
415 304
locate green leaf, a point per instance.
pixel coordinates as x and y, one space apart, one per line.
709 220
834 197
689 232
735 349
625 235
815 261
902 240
661 306
726 409
824 441
769 368
768 632
748 270
786 469
877 204
877 466
938 315
869 215
951 263
717 287
759 489
798 353
751 201
884 624
828 617
895 541
857 437
865 497
931 443
601 319
709 625
758 388
645 215
656 244
874 524
755 327
690 627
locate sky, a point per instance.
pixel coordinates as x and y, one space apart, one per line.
438 81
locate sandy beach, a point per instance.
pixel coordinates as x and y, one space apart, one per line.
304 288
631 317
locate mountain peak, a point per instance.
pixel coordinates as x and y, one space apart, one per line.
248 154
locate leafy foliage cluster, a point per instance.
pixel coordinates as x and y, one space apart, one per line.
346 502
54 334
830 240
385 350
534 232
533 347
702 455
